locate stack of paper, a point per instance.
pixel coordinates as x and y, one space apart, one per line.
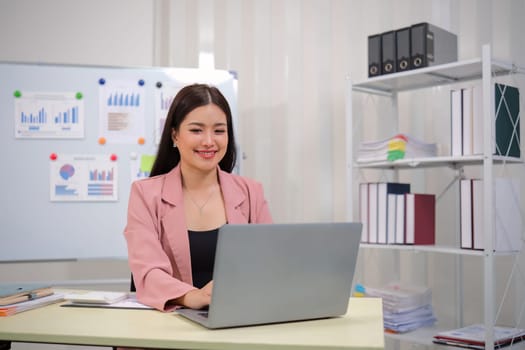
104 299
401 146
11 309
405 307
15 298
473 336
96 297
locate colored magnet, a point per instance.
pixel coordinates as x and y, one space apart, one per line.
102 81
101 140
159 84
141 82
234 74
17 93
133 155
79 95
53 156
113 157
141 140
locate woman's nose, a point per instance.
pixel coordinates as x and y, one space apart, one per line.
208 138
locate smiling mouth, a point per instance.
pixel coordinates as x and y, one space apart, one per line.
206 154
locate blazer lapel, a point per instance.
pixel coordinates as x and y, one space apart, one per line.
174 223
234 197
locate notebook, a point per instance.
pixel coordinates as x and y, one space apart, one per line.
17 293
270 273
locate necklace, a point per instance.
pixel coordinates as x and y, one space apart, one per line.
200 207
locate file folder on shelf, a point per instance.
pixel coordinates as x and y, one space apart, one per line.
420 218
456 122
465 200
383 189
507 103
508 223
466 115
374 55
403 49
363 210
432 45
388 52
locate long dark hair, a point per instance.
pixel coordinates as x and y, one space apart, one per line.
186 100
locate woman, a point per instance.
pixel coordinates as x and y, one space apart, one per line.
174 215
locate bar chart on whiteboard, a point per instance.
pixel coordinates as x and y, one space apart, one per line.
49 115
83 178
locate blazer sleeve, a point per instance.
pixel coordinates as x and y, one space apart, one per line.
151 268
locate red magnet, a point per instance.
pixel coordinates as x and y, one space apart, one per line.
53 156
113 157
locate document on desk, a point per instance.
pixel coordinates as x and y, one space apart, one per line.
11 309
96 297
130 302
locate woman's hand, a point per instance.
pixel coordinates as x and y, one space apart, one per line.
197 298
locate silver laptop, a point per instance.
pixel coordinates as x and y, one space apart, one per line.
268 273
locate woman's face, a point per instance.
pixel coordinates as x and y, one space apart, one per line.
202 138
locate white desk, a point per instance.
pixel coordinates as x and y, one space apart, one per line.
360 328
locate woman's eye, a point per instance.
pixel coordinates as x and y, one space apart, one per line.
195 130
220 131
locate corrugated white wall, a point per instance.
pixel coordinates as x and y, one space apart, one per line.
292 57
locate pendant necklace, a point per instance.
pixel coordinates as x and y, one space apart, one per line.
200 207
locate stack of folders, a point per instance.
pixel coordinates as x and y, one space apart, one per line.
390 214
16 298
473 337
416 46
466 108
400 146
405 307
507 216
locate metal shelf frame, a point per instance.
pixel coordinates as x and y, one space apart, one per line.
485 69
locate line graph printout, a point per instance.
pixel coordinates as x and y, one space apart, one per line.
83 178
49 115
121 111
164 95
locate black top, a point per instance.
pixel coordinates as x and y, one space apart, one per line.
202 251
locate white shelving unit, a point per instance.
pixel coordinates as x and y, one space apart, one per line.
484 69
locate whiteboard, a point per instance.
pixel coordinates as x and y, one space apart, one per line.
34 227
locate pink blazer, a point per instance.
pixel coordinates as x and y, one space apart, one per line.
157 234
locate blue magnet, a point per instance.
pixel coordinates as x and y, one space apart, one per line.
102 81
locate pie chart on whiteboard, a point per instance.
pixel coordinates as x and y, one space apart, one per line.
67 171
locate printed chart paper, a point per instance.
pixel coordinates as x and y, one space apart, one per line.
121 111
49 115
83 178
164 95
